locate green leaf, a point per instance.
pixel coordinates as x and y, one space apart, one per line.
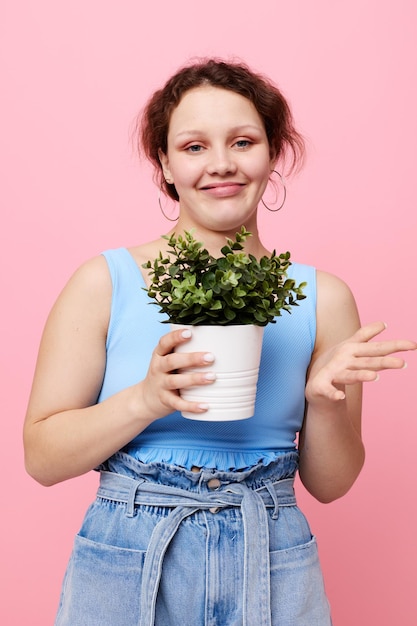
191 286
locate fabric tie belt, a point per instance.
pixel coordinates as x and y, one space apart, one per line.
253 504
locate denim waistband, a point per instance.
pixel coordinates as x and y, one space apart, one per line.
254 491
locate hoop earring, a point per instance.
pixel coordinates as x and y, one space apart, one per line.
276 198
171 219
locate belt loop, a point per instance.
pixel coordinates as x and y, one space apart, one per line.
273 494
130 506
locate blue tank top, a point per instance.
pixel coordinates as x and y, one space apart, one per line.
135 328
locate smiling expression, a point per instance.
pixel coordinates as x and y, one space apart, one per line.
218 158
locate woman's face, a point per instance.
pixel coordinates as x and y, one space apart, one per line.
218 158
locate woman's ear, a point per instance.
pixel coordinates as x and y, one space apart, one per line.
163 159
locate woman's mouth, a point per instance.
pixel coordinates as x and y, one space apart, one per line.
223 189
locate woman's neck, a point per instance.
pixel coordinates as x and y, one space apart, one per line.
214 241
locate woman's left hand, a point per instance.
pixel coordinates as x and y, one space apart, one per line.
355 360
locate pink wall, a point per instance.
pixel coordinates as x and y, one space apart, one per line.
73 76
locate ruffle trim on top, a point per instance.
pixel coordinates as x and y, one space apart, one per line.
210 459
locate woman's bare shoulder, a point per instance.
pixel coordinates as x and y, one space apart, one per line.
87 293
337 313
331 286
93 275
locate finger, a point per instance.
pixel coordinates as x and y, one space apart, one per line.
187 360
351 377
175 402
168 342
384 348
376 363
191 407
323 387
194 379
368 332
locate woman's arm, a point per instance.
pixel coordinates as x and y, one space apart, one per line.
331 449
66 433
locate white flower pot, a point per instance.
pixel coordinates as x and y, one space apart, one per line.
237 352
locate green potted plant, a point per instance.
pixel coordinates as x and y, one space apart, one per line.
234 293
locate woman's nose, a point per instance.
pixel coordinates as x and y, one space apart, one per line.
221 162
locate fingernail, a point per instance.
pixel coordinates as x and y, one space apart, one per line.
208 357
210 376
203 406
377 378
186 333
404 366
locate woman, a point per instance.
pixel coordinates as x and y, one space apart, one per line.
153 548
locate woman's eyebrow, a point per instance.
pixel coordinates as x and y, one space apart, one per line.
235 130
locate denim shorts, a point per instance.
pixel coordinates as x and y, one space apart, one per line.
167 546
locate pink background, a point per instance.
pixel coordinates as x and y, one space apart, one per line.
74 74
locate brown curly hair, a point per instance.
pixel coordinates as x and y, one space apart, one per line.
153 124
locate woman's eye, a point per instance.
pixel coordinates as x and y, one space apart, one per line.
194 148
243 143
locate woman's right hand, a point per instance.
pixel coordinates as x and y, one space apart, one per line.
66 432
165 377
